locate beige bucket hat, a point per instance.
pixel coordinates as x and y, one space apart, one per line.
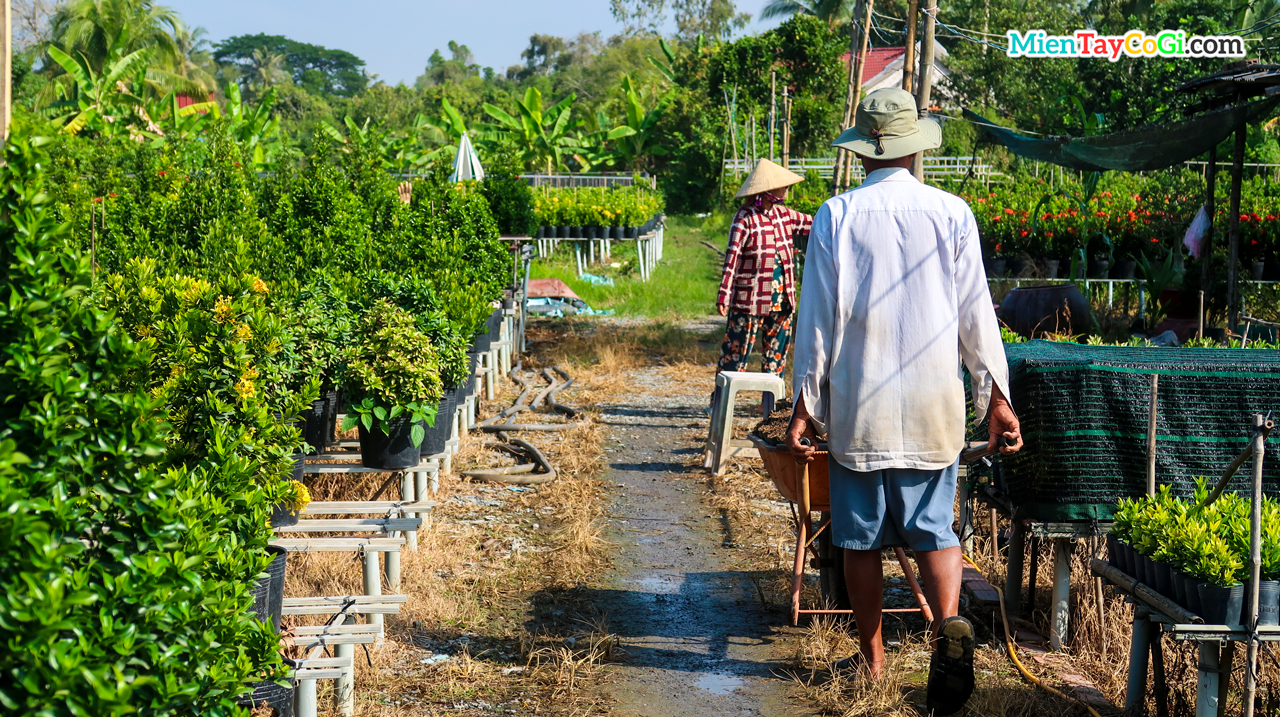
888 127
766 177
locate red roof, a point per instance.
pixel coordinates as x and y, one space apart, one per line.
878 58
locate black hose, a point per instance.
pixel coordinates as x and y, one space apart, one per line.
551 397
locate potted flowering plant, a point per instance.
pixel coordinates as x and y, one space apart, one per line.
393 387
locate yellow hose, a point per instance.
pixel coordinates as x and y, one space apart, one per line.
1013 654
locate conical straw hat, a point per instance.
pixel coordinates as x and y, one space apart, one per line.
766 177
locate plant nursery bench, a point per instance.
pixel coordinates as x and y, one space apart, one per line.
415 482
344 638
337 605
368 548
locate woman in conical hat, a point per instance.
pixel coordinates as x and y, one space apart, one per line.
758 288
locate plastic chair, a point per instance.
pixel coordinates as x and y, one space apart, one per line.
720 443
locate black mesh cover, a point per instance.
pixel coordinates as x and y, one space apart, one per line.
1084 419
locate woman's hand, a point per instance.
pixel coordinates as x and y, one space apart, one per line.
722 309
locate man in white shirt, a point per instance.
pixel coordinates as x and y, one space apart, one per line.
894 296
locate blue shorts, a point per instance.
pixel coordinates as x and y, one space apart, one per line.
894 507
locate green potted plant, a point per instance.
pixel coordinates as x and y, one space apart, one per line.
393 387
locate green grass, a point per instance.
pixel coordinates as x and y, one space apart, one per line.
682 286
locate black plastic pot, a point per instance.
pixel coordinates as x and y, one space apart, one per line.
332 404
1113 551
313 426
262 598
473 360
629 232
274 696
541 233
1148 569
495 325
1121 556
1049 269
1098 269
995 267
389 452
282 516
562 232
1125 269
1017 267
299 466
1192 588
1164 580
1269 602
1257 270
575 231
1178 585
1221 606
549 232
438 434
275 602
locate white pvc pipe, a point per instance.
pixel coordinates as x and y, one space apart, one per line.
373 580
304 699
344 693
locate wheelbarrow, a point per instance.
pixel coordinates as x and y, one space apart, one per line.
808 490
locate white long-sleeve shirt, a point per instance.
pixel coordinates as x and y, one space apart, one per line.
894 295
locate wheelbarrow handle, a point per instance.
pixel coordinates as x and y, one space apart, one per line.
980 451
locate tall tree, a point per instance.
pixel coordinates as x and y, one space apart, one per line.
440 71
91 28
321 70
715 19
833 12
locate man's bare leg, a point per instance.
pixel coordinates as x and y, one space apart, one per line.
864 576
941 571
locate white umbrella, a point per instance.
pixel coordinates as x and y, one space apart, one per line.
467 164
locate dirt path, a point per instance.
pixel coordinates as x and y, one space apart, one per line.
697 639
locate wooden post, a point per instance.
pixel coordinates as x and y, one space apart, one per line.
6 69
786 129
1233 222
857 58
1151 436
926 76
1210 208
1013 576
773 112
909 59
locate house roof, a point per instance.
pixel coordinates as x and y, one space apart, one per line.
878 58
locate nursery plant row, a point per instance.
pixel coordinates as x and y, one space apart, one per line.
1195 554
174 322
594 212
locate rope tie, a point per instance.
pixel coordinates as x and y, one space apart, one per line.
878 136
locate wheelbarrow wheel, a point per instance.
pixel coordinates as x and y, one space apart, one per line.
835 592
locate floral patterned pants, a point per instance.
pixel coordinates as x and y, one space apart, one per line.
740 336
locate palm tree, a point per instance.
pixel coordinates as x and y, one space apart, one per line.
832 12
90 28
268 69
197 62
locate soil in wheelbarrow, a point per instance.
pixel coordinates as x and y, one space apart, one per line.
773 430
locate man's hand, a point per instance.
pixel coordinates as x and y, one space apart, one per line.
722 309
1003 423
798 429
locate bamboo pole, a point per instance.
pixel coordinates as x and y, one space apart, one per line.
857 88
786 129
1255 566
926 76
6 69
773 112
1210 208
843 156
1233 223
909 59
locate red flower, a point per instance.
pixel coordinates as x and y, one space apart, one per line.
97 199
1007 210
161 173
236 163
1155 240
1025 232
1047 215
1000 245
1254 216
1049 234
1254 242
1244 217
112 195
1271 217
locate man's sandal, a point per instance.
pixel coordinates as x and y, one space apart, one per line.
951 668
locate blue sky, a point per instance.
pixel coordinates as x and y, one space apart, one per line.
395 37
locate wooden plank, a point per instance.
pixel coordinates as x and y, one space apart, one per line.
357 507
318 673
353 525
366 609
321 662
342 599
339 468
308 641
338 545
357 629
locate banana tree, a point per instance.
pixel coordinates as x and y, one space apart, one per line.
633 146
257 129
542 138
98 100
596 149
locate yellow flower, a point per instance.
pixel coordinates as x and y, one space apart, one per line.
243 332
222 310
259 286
244 388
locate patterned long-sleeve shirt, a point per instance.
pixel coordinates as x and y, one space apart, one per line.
759 242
